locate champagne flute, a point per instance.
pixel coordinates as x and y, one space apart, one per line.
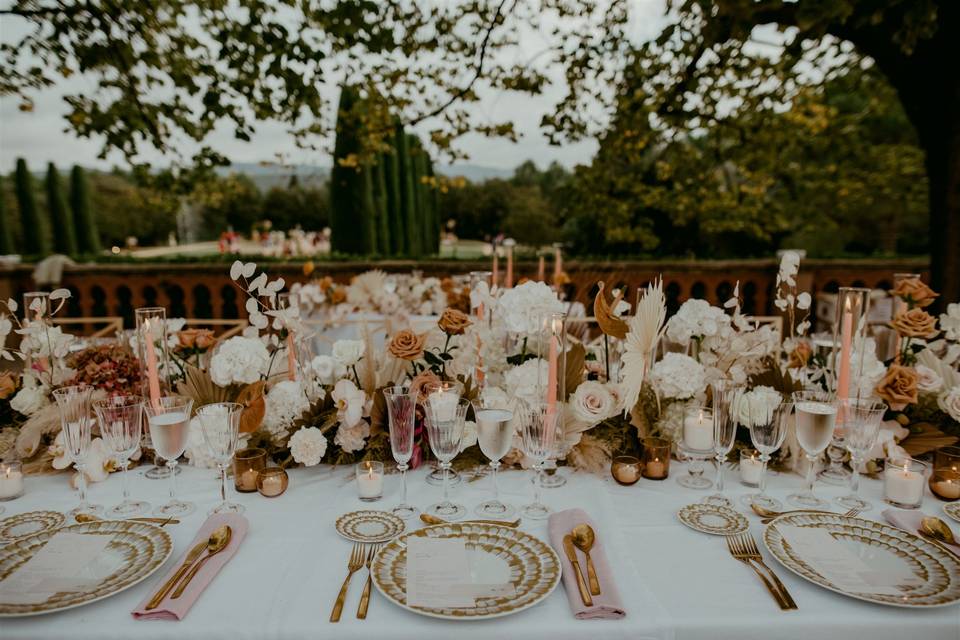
768 428
495 429
816 418
73 403
220 426
725 396
121 425
169 420
402 414
445 422
538 431
861 420
445 390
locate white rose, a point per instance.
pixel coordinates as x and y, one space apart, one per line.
348 352
307 446
928 380
240 359
351 439
950 322
327 370
31 398
949 402
592 402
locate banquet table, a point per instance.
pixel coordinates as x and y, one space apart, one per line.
675 582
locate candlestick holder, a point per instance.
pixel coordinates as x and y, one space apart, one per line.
697 446
945 477
655 458
247 465
903 482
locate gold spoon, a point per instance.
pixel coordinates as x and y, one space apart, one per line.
583 539
936 529
188 561
218 541
429 519
89 517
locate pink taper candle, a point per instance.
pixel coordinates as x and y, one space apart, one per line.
153 377
291 358
542 269
846 339
496 267
557 265
509 283
552 373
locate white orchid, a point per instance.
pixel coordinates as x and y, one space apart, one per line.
350 402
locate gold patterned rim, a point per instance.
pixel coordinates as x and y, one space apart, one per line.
24 525
713 519
369 526
140 548
533 565
938 569
952 509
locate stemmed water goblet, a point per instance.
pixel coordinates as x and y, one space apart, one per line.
402 414
725 396
861 423
220 426
816 418
495 429
445 422
73 403
448 391
768 428
121 425
169 421
538 429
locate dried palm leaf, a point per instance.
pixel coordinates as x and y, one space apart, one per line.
592 455
646 328
198 384
925 437
609 323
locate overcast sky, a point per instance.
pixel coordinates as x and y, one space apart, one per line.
40 136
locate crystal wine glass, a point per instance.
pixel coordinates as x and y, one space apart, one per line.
861 422
121 425
768 428
725 395
169 420
402 413
539 432
445 422
445 389
495 429
76 423
816 418
220 426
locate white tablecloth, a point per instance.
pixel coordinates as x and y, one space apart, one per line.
675 582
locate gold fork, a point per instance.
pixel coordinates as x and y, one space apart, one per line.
365 596
737 551
353 565
750 551
849 514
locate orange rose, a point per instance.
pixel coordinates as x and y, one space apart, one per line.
325 283
915 323
407 345
914 292
453 322
423 381
800 355
201 339
8 384
338 295
899 386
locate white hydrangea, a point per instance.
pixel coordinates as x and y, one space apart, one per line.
756 406
522 380
522 307
197 451
696 318
286 402
239 359
352 439
348 352
678 376
327 370
308 446
670 424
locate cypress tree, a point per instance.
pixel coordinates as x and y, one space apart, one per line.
368 212
347 189
64 239
6 240
36 240
88 236
433 206
398 246
408 206
380 207
416 172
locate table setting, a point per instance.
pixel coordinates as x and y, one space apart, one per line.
502 483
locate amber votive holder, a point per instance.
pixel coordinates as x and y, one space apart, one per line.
945 478
655 458
247 465
272 482
625 470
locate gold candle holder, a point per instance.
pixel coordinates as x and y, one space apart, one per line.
625 470
247 465
945 478
656 458
272 482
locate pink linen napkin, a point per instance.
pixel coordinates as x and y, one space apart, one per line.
607 605
170 609
909 520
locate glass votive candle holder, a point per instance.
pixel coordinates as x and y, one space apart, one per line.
945 476
655 458
370 480
247 465
11 480
272 481
903 482
625 470
751 467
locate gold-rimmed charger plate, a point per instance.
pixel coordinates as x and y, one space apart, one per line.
24 525
497 554
952 509
369 526
135 551
887 550
713 519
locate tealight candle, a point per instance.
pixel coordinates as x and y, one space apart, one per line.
656 458
903 481
698 430
247 465
272 482
945 479
625 470
751 467
370 480
11 480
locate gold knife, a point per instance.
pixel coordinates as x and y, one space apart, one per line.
571 552
169 584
